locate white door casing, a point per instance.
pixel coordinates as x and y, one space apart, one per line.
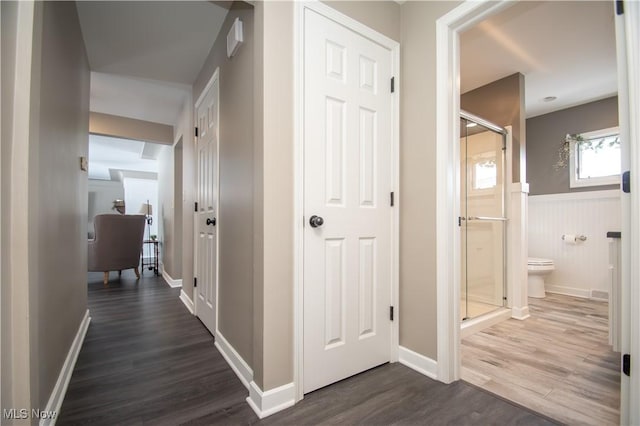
348 178
627 20
207 210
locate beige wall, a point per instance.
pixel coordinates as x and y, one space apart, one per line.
235 218
382 16
277 197
273 292
417 175
183 229
258 194
61 190
502 103
129 128
178 209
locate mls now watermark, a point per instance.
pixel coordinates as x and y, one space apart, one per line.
24 413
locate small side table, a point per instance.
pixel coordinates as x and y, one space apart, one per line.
152 262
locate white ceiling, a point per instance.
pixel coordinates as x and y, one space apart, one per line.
145 55
148 100
107 154
564 49
159 40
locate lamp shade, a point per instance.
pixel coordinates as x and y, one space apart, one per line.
146 209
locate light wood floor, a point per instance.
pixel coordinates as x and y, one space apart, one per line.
558 362
472 309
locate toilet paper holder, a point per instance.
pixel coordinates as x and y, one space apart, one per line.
577 237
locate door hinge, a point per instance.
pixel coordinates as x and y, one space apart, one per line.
195 282
619 7
196 132
392 199
626 364
196 206
393 84
391 313
459 220
626 182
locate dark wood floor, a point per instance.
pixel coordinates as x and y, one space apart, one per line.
146 360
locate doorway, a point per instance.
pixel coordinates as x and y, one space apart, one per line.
449 28
347 175
207 111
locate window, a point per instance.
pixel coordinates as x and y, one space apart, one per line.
485 174
595 159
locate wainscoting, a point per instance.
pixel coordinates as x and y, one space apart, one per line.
581 268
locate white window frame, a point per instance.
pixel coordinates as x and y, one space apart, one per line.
574 181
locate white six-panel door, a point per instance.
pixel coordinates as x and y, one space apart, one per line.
347 182
207 206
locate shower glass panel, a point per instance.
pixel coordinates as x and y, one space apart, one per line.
482 221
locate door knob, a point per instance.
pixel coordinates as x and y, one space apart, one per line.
316 221
211 221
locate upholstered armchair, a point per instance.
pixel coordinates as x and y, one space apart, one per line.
117 244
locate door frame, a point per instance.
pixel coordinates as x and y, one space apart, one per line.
448 29
214 77
627 46
298 224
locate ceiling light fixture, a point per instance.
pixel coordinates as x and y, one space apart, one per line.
550 98
472 124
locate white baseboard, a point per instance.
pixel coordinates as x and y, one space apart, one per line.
602 295
270 402
235 361
418 362
60 389
187 301
172 283
477 324
520 313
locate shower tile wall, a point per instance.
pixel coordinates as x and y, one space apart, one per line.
581 268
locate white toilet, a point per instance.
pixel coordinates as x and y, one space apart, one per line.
537 269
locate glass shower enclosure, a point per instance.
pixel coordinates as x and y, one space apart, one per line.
482 216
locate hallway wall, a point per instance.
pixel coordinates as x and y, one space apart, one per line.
59 192
8 37
235 218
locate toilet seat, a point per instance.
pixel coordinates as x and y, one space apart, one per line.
537 261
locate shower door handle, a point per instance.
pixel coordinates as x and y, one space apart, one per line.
501 219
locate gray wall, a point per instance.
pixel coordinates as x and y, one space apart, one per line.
8 28
502 103
235 218
546 132
61 188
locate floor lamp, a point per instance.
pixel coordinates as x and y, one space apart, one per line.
147 210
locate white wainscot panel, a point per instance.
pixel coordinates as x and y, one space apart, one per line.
581 269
